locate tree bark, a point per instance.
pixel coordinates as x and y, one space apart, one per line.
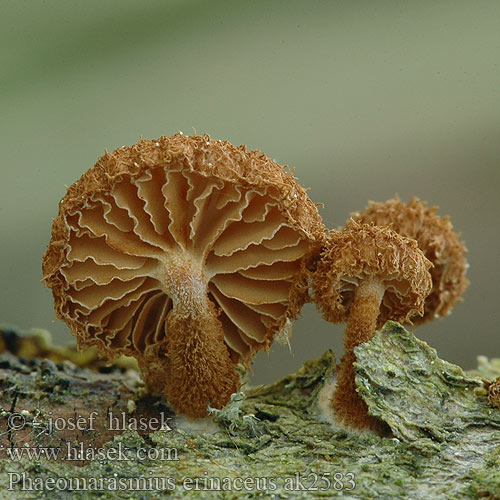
268 440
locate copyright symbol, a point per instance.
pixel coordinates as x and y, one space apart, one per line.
16 422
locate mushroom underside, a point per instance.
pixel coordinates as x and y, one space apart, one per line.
172 245
397 301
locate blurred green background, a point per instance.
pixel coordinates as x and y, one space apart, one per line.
365 99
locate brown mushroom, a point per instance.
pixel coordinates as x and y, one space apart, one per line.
439 242
187 253
494 392
365 276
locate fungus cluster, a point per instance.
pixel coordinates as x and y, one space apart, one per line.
192 254
186 253
391 262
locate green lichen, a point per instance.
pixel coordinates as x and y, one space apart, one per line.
488 369
423 399
485 481
445 441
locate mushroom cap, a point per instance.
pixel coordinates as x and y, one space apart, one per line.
439 242
153 225
360 251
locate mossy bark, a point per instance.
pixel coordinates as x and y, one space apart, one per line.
269 440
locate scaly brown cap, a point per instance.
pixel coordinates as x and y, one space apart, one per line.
365 250
176 234
436 238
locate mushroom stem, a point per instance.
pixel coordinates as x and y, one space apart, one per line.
194 369
361 323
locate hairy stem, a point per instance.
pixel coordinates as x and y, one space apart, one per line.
194 369
361 323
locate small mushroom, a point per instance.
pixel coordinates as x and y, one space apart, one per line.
439 242
494 392
365 276
186 253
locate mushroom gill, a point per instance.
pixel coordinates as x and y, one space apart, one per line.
187 253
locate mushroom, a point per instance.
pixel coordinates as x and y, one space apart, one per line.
439 242
187 253
365 276
494 392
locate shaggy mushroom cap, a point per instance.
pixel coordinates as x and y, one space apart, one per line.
362 251
187 253
439 242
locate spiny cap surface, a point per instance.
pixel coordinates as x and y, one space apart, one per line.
362 250
155 211
436 238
